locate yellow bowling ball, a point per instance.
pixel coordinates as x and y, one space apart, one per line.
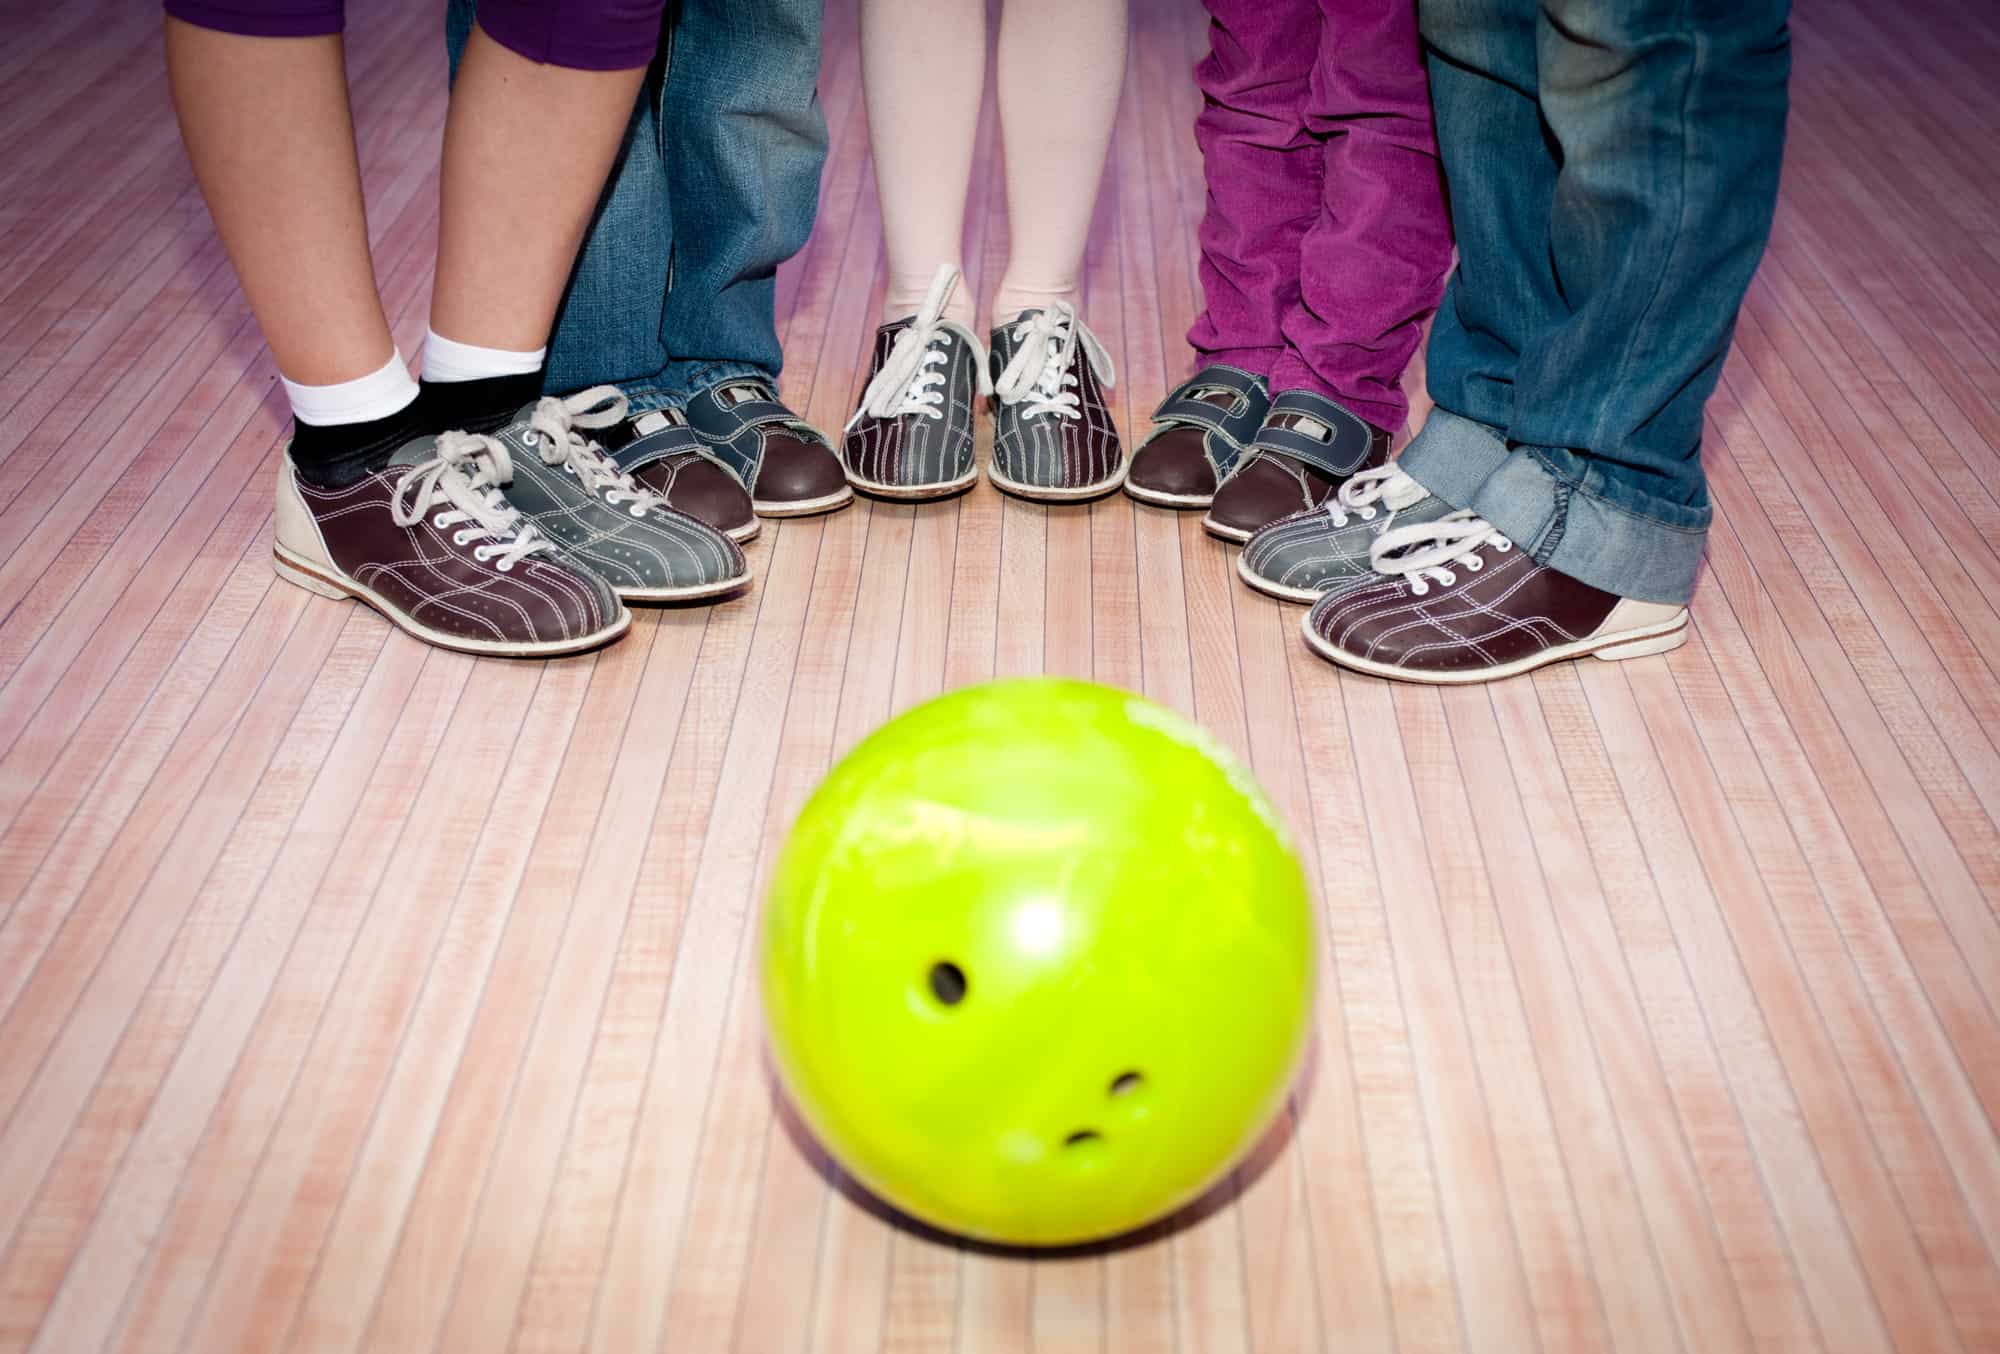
1038 962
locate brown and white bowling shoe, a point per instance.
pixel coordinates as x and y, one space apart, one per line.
1454 601
1306 448
431 543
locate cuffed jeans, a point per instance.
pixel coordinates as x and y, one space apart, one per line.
1613 169
716 185
1325 240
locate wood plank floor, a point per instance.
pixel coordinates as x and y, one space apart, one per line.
359 997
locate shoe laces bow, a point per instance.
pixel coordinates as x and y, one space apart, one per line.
911 380
462 480
1042 374
556 431
1424 553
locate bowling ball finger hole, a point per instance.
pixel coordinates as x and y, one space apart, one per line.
1127 1083
948 983
1086 1150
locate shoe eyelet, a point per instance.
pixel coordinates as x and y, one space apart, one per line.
1474 565
1419 589
437 520
637 510
529 439
1503 546
505 566
1446 578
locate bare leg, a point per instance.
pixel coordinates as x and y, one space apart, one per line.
526 151
268 129
271 139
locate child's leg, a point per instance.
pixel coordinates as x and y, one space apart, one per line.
1263 175
271 139
268 129
269 132
527 147
745 185
923 69
1061 66
1373 261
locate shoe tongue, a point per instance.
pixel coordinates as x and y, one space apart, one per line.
1402 492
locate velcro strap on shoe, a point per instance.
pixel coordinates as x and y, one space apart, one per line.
1311 428
724 411
666 436
1195 403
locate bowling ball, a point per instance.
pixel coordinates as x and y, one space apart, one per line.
1038 962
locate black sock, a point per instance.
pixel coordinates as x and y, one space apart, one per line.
483 406
337 454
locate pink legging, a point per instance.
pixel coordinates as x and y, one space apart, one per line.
590 35
1060 66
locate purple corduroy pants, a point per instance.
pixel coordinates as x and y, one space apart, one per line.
1325 241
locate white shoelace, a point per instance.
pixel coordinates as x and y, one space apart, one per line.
464 479
552 432
1042 374
1357 497
911 381
1431 552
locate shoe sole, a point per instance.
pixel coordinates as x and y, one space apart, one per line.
803 507
1662 638
917 493
1159 498
1234 535
1041 493
744 533
700 592
1256 582
327 582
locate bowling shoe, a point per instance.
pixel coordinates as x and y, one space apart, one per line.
430 542
1454 601
665 455
1306 448
1301 556
912 433
1199 433
1053 436
787 464
603 519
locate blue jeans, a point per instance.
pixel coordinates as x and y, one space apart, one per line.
1613 168
716 185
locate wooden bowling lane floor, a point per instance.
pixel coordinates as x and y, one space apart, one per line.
358 997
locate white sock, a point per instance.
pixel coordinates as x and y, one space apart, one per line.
449 360
362 400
